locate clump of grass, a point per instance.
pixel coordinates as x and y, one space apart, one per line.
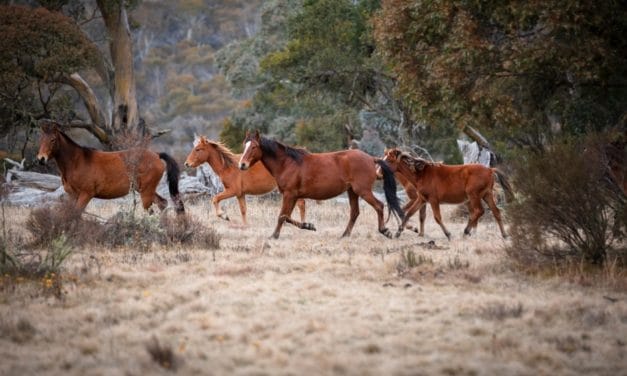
162 354
409 261
51 222
500 311
457 264
185 229
20 331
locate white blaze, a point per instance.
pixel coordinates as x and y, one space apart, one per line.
246 147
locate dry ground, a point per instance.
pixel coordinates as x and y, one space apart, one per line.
311 303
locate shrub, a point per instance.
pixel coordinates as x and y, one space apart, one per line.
566 209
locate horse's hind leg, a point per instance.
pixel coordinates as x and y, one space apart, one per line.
353 200
476 211
489 199
161 202
378 207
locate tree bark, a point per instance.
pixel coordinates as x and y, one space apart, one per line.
98 122
125 111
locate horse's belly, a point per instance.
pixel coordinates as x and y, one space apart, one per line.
112 191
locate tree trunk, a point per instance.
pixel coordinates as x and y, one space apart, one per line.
125 112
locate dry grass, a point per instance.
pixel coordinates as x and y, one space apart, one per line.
311 303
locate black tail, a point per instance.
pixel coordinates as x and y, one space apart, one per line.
389 187
173 172
509 192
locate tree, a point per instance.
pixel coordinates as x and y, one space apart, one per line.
526 70
57 54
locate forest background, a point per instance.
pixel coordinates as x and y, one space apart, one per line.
544 81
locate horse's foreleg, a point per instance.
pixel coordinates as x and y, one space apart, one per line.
476 211
301 208
81 201
435 208
241 200
216 203
286 211
423 216
489 199
353 200
411 210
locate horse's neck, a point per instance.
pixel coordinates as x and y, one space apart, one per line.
67 155
274 164
217 163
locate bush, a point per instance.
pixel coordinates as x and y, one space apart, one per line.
567 210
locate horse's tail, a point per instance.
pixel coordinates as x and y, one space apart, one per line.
173 172
509 192
389 188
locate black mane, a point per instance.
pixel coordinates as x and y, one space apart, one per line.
270 148
86 150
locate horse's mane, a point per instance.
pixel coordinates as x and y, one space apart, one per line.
228 157
86 149
415 164
270 147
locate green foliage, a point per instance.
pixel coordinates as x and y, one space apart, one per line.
320 134
522 69
232 135
37 47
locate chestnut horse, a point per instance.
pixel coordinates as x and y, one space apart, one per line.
87 173
439 183
237 183
320 176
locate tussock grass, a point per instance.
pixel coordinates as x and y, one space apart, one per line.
310 303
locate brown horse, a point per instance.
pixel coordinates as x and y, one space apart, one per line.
237 183
439 183
320 176
87 173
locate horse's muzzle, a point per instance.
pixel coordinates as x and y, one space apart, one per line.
243 166
187 164
42 160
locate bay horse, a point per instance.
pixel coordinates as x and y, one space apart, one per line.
321 176
451 184
237 183
88 173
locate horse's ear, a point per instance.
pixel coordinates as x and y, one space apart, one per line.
196 139
257 137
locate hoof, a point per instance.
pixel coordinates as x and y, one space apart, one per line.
387 233
274 236
308 226
398 234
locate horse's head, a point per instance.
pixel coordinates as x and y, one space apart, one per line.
200 152
48 142
252 150
392 158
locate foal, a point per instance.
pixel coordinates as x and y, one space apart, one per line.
439 183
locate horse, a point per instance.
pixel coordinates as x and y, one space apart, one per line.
451 184
88 173
321 176
237 183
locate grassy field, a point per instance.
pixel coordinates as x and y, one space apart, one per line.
311 303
